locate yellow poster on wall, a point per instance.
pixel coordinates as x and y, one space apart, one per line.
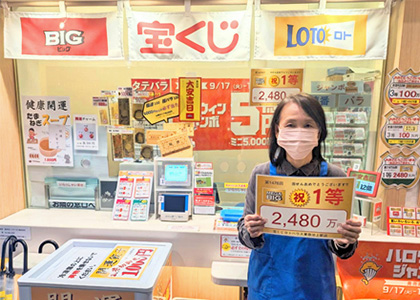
270 86
310 207
190 99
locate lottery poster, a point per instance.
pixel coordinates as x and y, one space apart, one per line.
403 88
47 131
228 121
401 129
399 170
270 86
380 270
304 207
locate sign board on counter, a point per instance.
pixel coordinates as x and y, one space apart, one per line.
131 270
310 207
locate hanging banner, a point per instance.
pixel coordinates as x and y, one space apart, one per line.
270 86
399 170
60 36
228 122
403 88
330 34
189 99
190 36
47 131
380 270
401 129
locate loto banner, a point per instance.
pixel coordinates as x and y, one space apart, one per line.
329 34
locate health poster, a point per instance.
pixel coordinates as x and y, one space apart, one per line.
311 207
47 131
270 86
228 122
85 132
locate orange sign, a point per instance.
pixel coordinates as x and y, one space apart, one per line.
190 99
381 271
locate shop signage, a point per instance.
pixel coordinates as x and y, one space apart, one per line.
401 129
403 88
125 262
190 36
367 182
47 131
330 34
230 246
304 207
381 270
63 37
399 170
148 89
270 86
161 108
41 293
189 99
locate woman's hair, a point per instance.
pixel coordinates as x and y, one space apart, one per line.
314 110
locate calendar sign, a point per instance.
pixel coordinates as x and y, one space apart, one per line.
402 129
403 88
399 170
367 182
311 207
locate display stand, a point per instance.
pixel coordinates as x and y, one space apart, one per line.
174 182
94 269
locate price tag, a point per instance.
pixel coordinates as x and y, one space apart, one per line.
403 88
304 206
402 129
399 170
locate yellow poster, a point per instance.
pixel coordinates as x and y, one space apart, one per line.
320 35
270 86
304 206
161 108
125 262
190 99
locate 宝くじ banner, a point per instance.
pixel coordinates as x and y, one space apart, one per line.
61 36
190 36
329 34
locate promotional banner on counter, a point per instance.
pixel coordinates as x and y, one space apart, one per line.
381 270
190 36
339 34
59 36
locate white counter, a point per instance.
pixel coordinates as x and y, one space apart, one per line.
195 243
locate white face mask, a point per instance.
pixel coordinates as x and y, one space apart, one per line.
298 142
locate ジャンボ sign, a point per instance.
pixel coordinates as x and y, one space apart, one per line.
310 207
321 34
381 270
193 36
53 36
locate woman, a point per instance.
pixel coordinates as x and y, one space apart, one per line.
283 267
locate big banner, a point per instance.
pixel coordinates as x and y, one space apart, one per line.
190 36
321 34
380 270
63 37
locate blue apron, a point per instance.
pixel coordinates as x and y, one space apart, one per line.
292 268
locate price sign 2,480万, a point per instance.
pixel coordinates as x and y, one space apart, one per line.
310 207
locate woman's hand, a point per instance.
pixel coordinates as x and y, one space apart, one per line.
350 230
255 225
